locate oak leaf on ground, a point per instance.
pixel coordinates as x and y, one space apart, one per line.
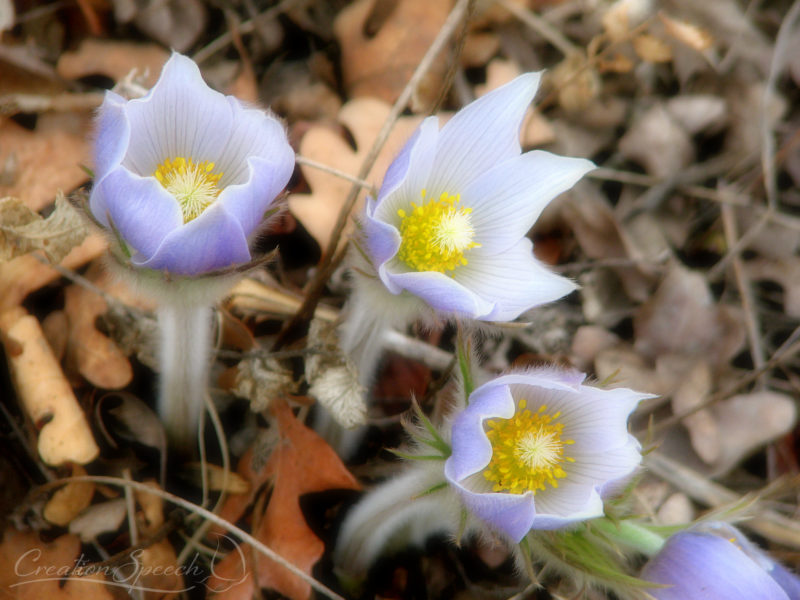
301 463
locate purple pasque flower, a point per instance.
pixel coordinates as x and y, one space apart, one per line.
715 561
450 220
539 450
185 174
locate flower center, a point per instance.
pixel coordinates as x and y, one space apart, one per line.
527 451
435 234
194 185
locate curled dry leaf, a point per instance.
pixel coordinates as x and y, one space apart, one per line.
93 355
48 158
379 63
68 501
23 230
301 463
114 59
364 118
22 553
44 392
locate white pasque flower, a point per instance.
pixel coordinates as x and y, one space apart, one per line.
450 221
540 450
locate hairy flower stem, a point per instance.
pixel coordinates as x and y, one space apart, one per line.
632 535
464 353
185 348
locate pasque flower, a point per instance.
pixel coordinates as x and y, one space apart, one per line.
716 562
185 174
540 450
450 220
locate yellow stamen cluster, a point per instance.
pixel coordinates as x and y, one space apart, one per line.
435 234
527 451
194 185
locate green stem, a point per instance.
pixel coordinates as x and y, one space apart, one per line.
631 534
464 353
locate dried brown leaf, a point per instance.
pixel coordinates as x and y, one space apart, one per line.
651 48
23 230
301 463
48 158
114 59
23 556
687 33
90 352
379 63
68 501
48 399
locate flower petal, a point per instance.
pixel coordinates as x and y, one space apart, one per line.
472 450
514 281
213 240
181 116
247 202
382 242
408 175
112 135
142 211
697 565
439 291
481 134
569 503
254 133
507 199
513 514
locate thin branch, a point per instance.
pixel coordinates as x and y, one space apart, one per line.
331 258
540 26
302 160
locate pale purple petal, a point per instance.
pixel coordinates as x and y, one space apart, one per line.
181 116
471 448
141 210
594 472
569 503
513 281
112 135
482 134
513 514
382 242
440 291
507 199
248 201
408 175
254 134
705 566
211 241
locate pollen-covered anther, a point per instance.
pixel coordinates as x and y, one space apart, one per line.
527 451
194 185
436 233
